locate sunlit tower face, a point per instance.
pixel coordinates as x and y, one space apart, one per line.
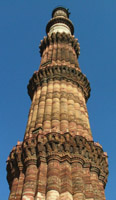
58 159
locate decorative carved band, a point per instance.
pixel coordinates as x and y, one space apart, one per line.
59 72
61 147
60 20
60 38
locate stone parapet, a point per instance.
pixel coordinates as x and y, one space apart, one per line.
64 40
59 73
76 151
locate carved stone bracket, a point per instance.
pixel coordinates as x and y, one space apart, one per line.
60 38
59 72
61 147
12 166
29 151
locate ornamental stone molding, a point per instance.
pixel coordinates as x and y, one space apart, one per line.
55 146
59 73
60 20
60 38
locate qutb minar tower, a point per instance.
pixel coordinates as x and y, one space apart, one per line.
58 159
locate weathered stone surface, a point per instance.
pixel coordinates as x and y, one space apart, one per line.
53 175
60 106
66 196
59 72
65 147
58 159
52 195
40 196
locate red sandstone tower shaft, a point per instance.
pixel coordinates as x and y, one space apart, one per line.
58 159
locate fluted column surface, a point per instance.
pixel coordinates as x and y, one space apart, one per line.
59 105
58 159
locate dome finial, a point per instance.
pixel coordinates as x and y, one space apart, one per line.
60 11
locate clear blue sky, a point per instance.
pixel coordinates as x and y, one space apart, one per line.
22 26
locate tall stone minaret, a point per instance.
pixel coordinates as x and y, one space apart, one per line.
58 159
